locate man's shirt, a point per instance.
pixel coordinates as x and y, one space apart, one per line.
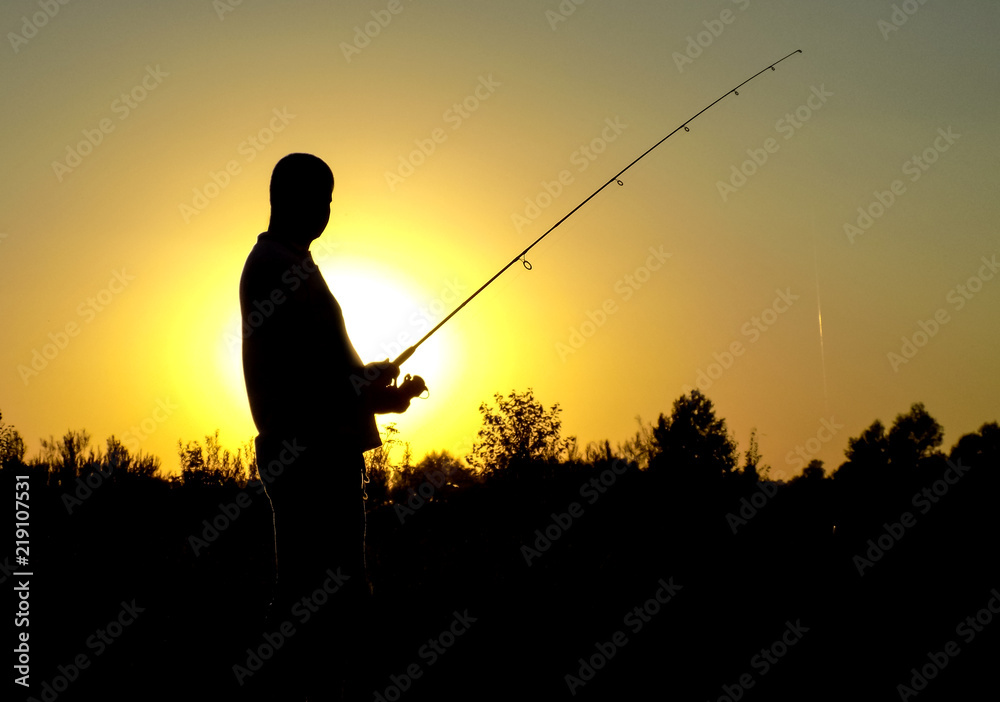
298 361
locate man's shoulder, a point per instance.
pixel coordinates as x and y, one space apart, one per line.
268 248
269 257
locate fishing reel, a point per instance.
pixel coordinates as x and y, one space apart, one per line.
413 386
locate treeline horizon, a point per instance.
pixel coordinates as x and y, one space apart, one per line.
865 579
517 433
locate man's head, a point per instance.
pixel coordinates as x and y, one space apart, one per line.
301 191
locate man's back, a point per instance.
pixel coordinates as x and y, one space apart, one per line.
297 358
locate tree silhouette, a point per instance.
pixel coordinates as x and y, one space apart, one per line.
980 448
117 458
11 446
752 467
641 447
812 472
871 447
520 431
877 453
65 457
867 455
693 441
913 437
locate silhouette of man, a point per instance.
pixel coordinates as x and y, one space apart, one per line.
314 404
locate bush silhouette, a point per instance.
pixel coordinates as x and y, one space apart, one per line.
516 434
792 555
11 446
215 466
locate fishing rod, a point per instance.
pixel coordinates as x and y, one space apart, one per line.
614 179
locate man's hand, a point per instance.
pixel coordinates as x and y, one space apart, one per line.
396 400
412 386
381 373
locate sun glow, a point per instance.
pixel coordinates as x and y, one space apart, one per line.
201 343
383 318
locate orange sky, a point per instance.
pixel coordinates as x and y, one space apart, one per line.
858 180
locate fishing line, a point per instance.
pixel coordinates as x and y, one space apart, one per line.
616 178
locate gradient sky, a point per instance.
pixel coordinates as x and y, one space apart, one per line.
121 263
